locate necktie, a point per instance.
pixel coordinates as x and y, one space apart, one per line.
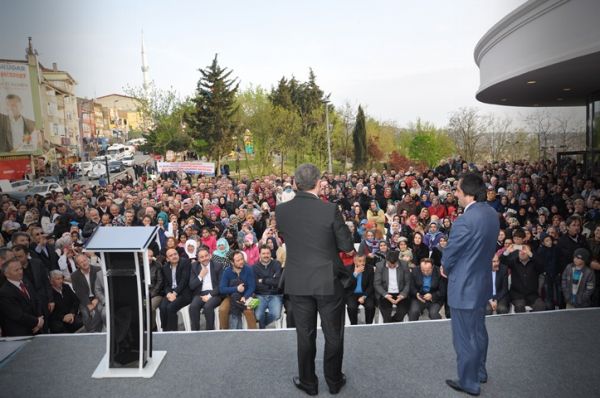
69 266
24 291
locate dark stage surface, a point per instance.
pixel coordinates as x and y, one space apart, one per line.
552 354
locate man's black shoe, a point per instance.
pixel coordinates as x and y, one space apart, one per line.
338 387
454 385
301 386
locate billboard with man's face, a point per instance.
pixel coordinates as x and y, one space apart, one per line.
18 134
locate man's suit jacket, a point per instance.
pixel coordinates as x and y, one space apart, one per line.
80 285
314 233
437 288
49 259
196 285
182 276
368 280
65 303
40 282
501 283
19 315
6 136
468 257
382 279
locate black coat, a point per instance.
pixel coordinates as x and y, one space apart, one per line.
182 276
18 315
65 303
501 283
314 233
437 288
368 278
49 259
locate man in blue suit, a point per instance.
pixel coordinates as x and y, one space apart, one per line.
466 261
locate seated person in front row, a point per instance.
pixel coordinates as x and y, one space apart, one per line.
499 301
525 278
392 287
364 293
427 291
205 276
65 317
267 273
84 281
238 284
176 276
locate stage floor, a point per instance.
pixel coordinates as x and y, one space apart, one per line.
551 354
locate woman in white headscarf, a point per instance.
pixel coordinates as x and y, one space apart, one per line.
191 248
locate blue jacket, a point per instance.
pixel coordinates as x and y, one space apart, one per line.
467 260
246 275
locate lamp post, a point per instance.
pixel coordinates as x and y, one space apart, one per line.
329 164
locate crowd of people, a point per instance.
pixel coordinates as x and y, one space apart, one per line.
218 246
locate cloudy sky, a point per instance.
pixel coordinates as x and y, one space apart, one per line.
400 59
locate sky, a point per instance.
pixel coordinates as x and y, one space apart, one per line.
401 60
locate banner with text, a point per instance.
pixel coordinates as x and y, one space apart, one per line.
204 168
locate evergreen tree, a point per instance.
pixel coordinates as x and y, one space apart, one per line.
213 118
359 136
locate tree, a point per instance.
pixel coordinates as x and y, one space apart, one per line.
466 127
348 117
169 132
429 145
215 111
359 137
374 152
499 136
539 123
153 103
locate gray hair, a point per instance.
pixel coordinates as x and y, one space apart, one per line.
306 175
56 273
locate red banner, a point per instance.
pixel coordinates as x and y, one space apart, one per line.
15 168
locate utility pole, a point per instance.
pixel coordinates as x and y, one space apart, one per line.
330 165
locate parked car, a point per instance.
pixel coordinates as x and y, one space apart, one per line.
83 168
115 166
98 170
102 158
15 186
47 180
44 189
128 161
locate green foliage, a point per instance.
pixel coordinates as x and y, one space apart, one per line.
169 132
428 144
359 137
153 103
213 118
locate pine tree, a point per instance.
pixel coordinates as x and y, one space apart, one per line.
213 120
359 136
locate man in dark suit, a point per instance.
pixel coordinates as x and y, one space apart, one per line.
466 261
176 274
20 312
65 318
36 274
314 234
392 287
84 281
499 302
364 292
427 291
205 276
42 250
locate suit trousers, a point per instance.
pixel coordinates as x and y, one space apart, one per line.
417 308
470 340
168 312
209 311
331 310
352 308
386 309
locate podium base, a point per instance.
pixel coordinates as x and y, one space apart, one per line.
104 372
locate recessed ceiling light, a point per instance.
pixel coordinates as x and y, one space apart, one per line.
503 99
559 99
567 89
532 82
536 104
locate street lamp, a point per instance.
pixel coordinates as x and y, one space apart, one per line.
329 165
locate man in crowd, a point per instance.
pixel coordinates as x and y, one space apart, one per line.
392 287
578 281
237 284
499 302
65 318
205 276
364 292
177 294
84 281
525 273
427 291
267 273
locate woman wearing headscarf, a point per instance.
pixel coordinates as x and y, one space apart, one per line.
191 248
221 255
251 250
